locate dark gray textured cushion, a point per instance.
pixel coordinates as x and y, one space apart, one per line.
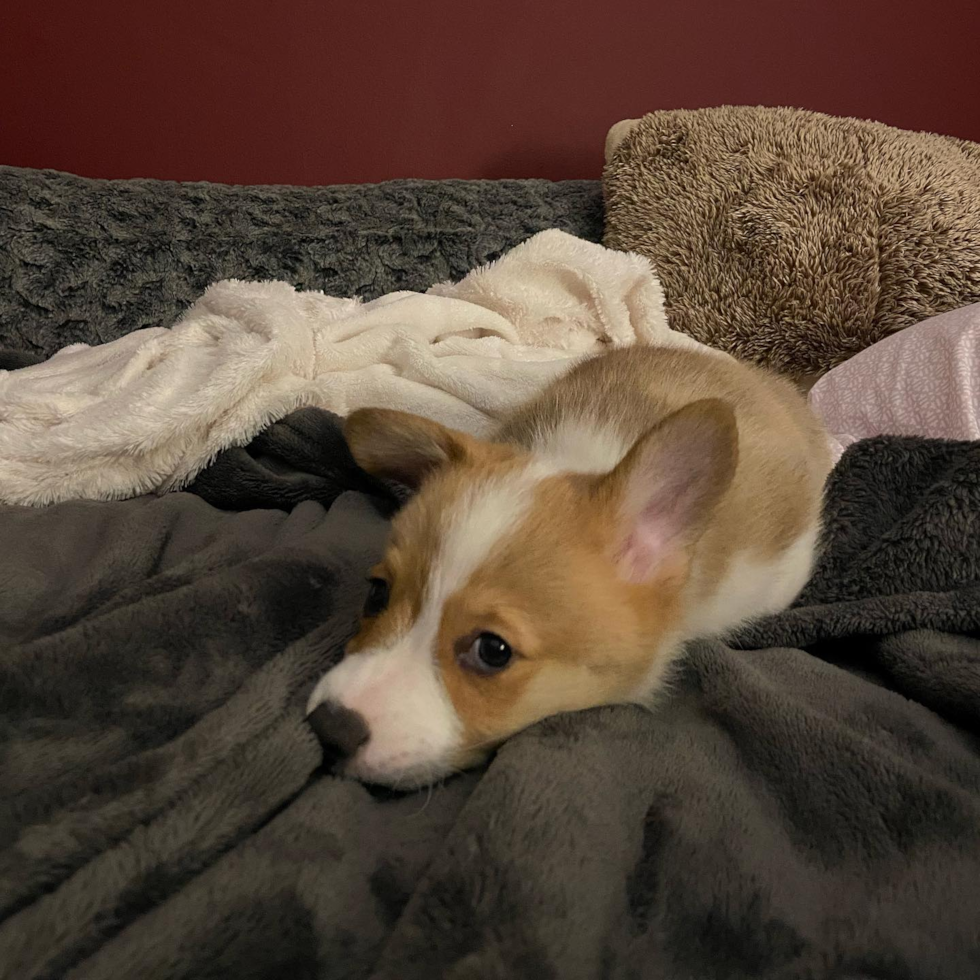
90 260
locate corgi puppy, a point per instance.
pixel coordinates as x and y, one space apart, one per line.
648 497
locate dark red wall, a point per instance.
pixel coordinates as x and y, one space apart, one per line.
313 91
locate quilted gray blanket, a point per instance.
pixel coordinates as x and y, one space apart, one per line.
807 804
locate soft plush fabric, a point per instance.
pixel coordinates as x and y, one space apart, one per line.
792 238
147 412
924 381
86 261
805 806
302 457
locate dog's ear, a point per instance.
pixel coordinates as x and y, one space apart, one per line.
666 487
394 445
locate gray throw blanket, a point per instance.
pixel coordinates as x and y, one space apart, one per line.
804 805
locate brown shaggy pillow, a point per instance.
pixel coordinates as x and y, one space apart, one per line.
792 238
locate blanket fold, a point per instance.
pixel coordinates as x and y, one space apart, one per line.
148 411
805 804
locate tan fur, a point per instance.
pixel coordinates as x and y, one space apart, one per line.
552 585
583 638
783 453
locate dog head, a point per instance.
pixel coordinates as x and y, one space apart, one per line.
510 591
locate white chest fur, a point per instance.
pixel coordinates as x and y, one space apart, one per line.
751 588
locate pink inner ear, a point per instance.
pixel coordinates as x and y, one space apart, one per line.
670 481
646 545
657 510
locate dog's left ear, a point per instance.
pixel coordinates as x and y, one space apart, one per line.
394 445
667 486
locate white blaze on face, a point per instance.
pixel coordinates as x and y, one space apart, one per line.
396 688
395 685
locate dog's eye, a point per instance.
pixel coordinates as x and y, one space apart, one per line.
377 597
487 654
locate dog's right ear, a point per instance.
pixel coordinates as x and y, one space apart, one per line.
399 446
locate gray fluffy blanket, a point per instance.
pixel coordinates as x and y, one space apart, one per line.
805 805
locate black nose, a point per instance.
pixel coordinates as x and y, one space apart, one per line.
341 731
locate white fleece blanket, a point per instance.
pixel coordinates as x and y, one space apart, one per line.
150 410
